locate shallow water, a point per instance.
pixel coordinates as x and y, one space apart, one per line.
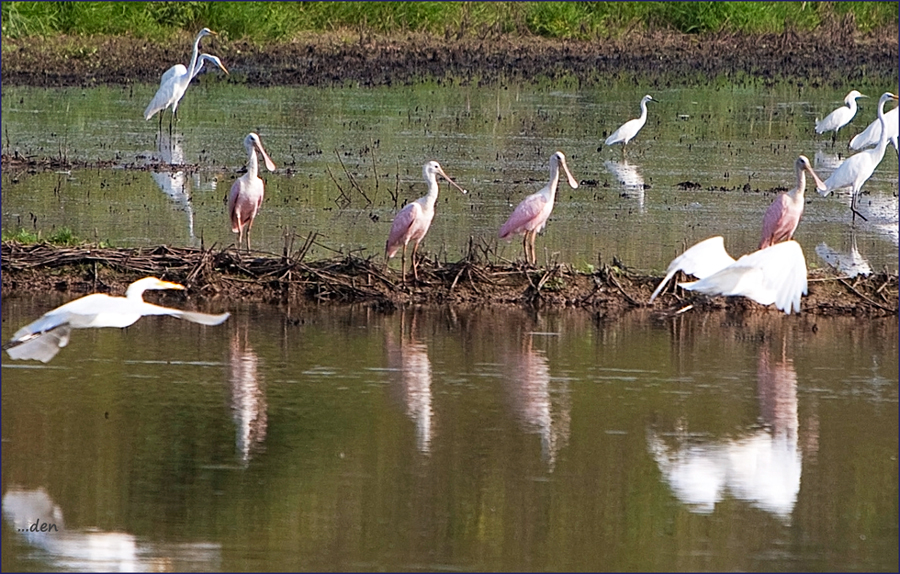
494 141
344 439
347 439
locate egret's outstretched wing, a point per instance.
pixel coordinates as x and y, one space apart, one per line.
701 260
776 274
40 346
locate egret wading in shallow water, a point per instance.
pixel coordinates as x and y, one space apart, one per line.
413 221
858 168
247 191
531 215
630 128
783 215
175 82
839 117
776 274
872 133
42 339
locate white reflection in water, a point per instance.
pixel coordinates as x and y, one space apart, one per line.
762 467
248 397
832 161
529 388
92 550
411 376
631 179
174 184
850 263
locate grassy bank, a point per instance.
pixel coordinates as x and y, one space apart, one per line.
271 21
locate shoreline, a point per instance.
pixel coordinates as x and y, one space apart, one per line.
211 274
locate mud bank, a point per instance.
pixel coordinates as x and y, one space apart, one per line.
225 274
834 55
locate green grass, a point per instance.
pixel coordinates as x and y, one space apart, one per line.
271 21
62 237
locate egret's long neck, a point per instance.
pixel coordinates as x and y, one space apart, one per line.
643 117
252 163
191 71
135 293
883 138
852 105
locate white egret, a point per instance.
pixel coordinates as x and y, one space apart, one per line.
783 215
776 274
858 168
412 222
630 128
839 117
176 79
247 191
530 216
872 133
42 339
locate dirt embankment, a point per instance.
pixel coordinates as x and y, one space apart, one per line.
834 55
472 281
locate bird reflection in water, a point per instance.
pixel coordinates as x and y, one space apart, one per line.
762 467
411 376
850 263
630 178
528 384
93 550
174 183
248 397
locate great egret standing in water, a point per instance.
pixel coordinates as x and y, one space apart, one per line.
858 168
247 191
783 215
630 128
776 274
176 80
530 216
412 222
839 117
42 339
870 136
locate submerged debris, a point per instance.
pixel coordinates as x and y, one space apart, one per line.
225 273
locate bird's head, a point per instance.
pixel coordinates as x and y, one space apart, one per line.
136 289
252 142
558 160
432 169
853 95
206 32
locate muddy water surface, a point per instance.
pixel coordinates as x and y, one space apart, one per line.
345 155
434 439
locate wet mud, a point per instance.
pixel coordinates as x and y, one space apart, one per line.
832 56
473 281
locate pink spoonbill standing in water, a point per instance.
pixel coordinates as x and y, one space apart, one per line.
531 215
783 216
247 191
413 221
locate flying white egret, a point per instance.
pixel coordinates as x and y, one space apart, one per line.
630 128
247 191
176 79
42 339
839 117
531 215
858 168
872 133
412 222
783 216
776 274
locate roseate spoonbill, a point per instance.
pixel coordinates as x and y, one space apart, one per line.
839 117
858 168
629 129
783 215
530 216
412 222
248 190
872 133
776 274
176 80
42 339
